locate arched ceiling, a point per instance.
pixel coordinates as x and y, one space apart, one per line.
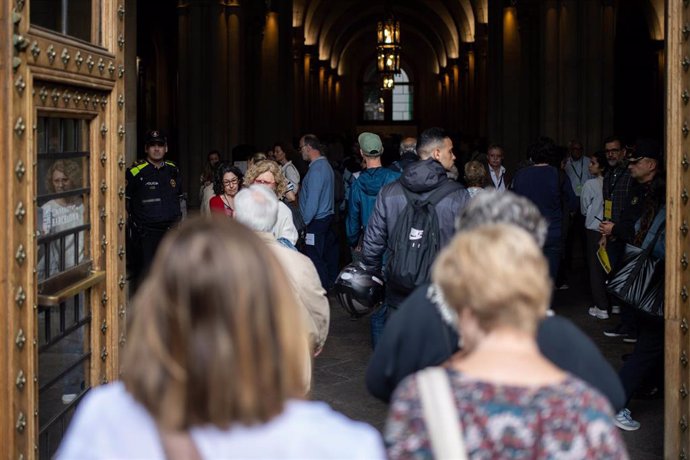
419 49
409 25
442 24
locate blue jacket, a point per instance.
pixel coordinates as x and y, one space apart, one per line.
362 199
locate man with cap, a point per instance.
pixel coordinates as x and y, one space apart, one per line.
155 202
361 201
642 218
364 189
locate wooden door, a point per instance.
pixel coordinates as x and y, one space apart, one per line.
63 273
677 413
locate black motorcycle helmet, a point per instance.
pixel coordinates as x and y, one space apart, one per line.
360 291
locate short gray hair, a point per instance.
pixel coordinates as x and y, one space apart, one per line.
409 144
256 207
494 207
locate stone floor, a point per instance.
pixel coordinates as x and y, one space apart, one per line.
339 370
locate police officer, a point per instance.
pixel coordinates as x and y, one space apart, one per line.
155 203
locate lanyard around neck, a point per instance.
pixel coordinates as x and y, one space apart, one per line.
582 167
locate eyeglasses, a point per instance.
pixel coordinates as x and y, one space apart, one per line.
230 182
264 182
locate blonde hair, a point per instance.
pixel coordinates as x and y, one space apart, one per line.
216 336
69 168
257 157
271 166
499 273
475 174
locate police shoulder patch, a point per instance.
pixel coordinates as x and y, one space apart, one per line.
136 169
173 184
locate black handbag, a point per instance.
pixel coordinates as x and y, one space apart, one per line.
639 279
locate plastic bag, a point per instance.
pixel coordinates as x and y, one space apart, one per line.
639 281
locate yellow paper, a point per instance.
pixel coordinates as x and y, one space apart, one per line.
608 209
603 257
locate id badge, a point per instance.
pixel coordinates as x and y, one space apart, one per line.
608 209
578 189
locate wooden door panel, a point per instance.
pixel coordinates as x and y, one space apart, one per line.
65 317
677 313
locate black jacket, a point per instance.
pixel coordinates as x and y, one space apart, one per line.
153 194
406 159
644 198
422 178
416 336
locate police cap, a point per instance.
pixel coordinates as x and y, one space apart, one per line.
154 136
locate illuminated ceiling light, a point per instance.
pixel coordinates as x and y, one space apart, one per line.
388 50
387 81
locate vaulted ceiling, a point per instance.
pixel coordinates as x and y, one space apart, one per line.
436 28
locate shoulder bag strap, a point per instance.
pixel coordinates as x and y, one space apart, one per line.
659 219
440 414
178 445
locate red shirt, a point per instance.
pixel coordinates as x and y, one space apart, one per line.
217 204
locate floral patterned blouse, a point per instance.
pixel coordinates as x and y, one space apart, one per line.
568 420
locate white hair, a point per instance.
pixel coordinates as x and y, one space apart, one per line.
494 207
256 207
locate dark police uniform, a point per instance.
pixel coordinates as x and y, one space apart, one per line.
154 197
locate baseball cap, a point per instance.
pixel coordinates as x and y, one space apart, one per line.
370 144
155 136
646 148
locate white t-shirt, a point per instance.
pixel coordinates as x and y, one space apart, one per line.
498 179
592 203
110 424
285 226
55 218
205 196
291 172
578 173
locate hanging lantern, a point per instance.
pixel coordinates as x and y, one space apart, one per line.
388 32
388 45
387 81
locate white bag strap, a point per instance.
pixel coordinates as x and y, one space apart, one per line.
440 414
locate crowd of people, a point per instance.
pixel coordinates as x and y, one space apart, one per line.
233 307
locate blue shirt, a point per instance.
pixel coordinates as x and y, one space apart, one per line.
316 195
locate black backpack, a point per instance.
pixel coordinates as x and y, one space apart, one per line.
415 240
